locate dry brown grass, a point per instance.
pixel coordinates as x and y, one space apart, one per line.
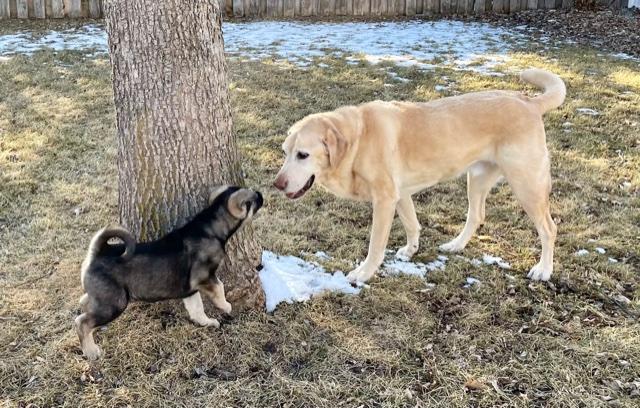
570 343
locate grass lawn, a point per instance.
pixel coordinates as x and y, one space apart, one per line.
574 342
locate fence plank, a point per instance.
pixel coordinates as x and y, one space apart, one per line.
432 6
39 10
453 6
327 7
22 9
410 8
479 7
289 8
467 9
361 7
567 4
72 8
5 10
514 5
549 4
57 9
419 7
308 8
95 8
272 8
238 8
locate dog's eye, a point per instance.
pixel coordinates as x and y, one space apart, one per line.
302 155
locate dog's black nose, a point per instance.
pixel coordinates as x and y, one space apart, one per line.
259 200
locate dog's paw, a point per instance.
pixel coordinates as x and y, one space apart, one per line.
540 273
92 353
406 252
452 246
360 275
226 308
207 322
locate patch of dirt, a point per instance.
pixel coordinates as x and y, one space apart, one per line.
613 30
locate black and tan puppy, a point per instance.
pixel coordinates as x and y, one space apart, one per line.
179 265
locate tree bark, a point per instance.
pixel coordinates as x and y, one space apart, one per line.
175 140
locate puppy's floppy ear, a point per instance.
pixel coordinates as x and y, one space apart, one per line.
215 193
239 203
334 143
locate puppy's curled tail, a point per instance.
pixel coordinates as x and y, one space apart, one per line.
554 88
105 234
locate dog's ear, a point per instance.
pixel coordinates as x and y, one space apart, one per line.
215 193
239 203
334 143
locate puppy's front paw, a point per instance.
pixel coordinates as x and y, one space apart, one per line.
406 252
92 353
226 308
452 246
208 322
539 273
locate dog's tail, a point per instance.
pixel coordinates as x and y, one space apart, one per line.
105 234
554 88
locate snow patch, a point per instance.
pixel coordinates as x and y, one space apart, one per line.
476 47
397 266
84 38
588 111
582 252
600 250
292 279
495 260
471 281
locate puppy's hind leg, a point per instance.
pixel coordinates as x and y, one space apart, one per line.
195 308
84 301
407 213
480 178
98 312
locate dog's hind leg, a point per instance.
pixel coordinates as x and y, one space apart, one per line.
98 312
530 180
407 214
480 178
195 308
84 301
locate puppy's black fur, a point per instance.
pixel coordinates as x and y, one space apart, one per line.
175 266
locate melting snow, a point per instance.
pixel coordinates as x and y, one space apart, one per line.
471 281
600 250
495 260
87 37
588 111
291 279
397 266
476 47
582 252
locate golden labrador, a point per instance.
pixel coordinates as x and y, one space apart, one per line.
384 152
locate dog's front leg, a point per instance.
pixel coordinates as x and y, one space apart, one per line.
383 211
195 308
215 290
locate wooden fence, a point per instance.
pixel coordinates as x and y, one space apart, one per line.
295 8
50 8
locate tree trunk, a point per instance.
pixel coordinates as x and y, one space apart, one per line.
175 140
